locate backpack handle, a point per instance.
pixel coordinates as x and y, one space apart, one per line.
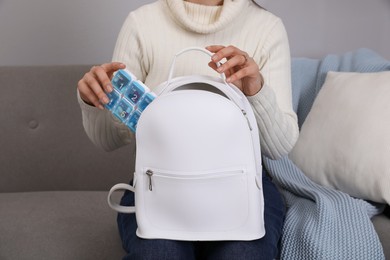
233 92
171 70
115 206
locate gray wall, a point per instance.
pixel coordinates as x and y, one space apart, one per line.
48 32
317 28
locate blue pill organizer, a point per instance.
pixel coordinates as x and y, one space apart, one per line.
129 98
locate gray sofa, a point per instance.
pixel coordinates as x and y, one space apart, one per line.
54 181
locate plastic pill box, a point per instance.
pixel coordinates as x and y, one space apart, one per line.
129 98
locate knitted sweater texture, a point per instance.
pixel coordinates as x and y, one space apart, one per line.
154 33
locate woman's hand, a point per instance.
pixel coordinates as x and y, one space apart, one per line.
96 82
240 69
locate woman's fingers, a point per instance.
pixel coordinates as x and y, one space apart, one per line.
97 88
218 56
102 77
237 62
248 71
239 68
110 68
104 73
88 95
95 83
221 52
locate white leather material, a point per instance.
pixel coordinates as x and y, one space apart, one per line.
115 206
205 51
198 165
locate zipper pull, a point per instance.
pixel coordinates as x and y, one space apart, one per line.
150 174
249 124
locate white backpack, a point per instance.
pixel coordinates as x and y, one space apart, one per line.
198 173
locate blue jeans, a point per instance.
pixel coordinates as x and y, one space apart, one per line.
158 249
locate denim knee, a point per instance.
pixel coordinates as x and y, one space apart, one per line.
159 249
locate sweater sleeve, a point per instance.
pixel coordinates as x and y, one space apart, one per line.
102 127
272 105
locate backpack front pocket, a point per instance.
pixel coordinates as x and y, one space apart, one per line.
206 201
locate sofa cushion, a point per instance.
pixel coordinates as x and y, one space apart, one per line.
344 141
75 225
58 225
43 143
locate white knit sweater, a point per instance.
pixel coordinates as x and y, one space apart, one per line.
154 33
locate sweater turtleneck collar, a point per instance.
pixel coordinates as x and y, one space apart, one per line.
205 19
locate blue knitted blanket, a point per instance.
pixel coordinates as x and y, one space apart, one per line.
323 223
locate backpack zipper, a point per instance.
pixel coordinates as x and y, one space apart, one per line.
150 174
244 113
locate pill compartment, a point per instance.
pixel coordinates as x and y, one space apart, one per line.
146 100
129 98
132 122
135 91
122 80
114 97
123 109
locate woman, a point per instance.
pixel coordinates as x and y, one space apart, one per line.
252 44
